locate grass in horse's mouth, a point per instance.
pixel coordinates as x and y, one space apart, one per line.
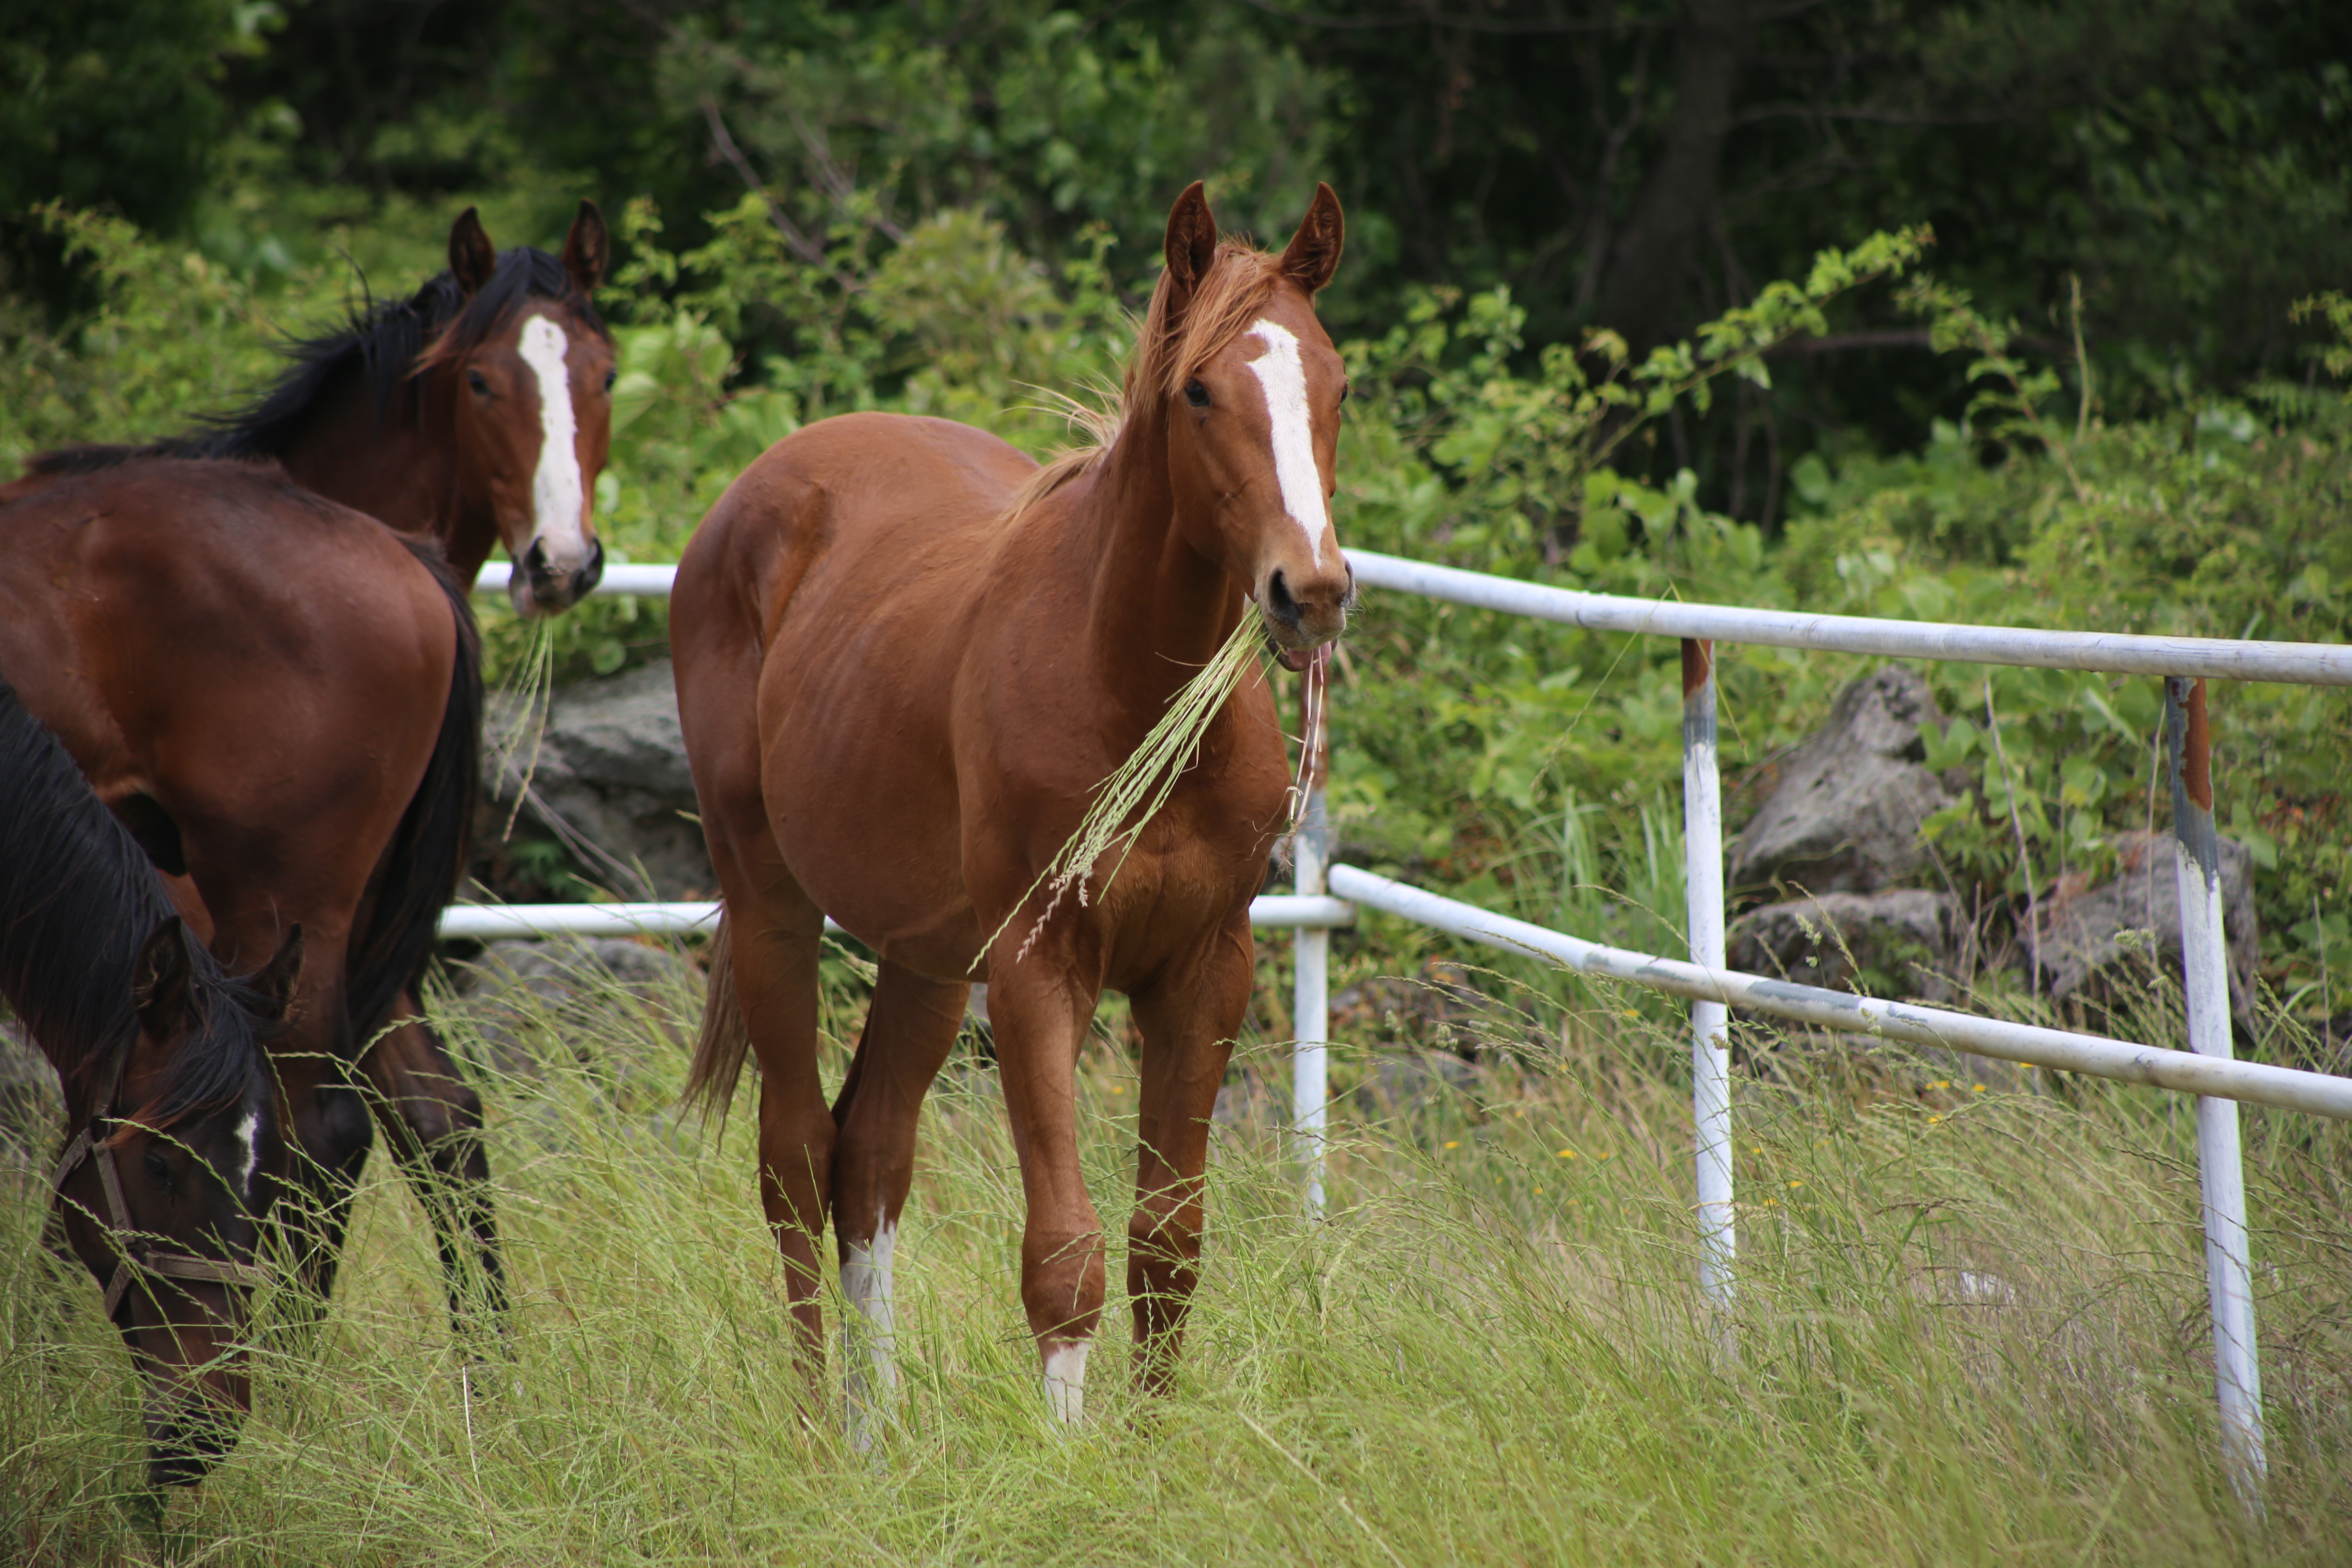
1283 655
1140 786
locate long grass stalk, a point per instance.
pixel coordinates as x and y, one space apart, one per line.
1126 802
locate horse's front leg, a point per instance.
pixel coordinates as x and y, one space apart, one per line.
1190 1017
1039 1011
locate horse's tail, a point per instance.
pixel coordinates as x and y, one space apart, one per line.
718 1054
426 859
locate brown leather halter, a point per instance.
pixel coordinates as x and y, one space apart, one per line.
133 1256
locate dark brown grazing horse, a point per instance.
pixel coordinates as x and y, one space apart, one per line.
280 698
476 412
906 657
167 1092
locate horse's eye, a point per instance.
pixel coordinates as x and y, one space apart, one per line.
610 377
159 1169
1344 390
1196 394
482 387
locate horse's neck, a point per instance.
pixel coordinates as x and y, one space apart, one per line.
1159 610
399 465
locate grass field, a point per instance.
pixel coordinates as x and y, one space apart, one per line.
1972 1328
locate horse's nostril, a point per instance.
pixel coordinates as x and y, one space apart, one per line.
1278 601
534 560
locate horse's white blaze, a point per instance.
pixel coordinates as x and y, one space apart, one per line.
249 1130
1065 1381
558 495
865 1282
1279 372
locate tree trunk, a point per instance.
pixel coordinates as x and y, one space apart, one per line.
1650 265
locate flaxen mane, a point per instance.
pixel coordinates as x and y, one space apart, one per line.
1241 278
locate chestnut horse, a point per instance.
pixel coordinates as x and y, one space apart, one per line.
280 698
166 1089
476 412
906 657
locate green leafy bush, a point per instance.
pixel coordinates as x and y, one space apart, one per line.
1525 764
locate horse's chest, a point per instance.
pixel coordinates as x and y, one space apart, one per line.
1192 871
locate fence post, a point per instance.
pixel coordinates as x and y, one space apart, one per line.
1710 1048
2205 967
1310 1019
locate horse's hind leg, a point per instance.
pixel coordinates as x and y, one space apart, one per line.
310 1209
1189 1020
909 1032
774 952
433 1120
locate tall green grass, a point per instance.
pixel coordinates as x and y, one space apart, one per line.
1971 1328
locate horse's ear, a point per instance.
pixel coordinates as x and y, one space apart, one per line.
1192 243
472 257
586 248
275 979
162 980
1313 254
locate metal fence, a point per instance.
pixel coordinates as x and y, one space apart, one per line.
1328 894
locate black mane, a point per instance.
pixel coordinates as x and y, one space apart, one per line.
78 901
380 342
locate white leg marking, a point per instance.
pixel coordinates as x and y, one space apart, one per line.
558 497
1065 1381
870 1389
1284 378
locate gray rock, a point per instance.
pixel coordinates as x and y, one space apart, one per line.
608 778
2089 942
598 1002
1899 944
1846 814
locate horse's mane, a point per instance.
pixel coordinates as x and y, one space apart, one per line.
1240 280
383 342
79 899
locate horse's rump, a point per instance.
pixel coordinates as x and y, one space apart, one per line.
273 673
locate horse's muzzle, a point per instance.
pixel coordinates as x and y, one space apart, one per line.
186 1436
1299 619
552 590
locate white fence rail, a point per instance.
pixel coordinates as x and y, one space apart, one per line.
2208 1070
494 922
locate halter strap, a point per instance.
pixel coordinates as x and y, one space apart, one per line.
133 1257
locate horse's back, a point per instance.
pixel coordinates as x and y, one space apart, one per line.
171 618
869 482
234 558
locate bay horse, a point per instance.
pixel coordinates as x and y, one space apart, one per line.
280 699
477 412
906 655
167 1091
